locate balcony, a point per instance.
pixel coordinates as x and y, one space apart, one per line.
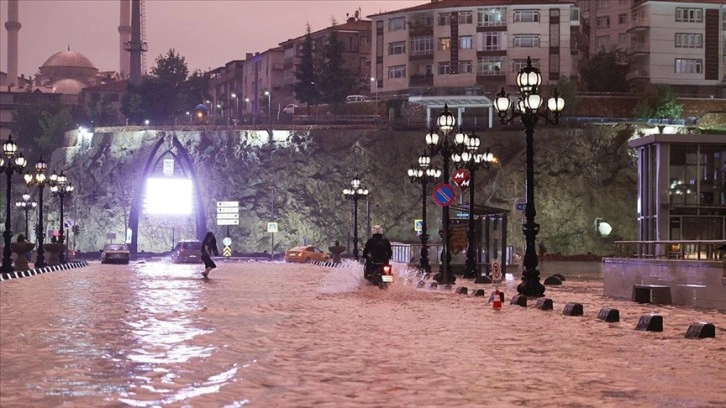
639 24
421 80
416 29
639 49
421 55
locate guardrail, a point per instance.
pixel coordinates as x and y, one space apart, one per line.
703 250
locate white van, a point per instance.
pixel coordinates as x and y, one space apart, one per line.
356 98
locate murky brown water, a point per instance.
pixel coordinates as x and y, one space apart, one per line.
281 335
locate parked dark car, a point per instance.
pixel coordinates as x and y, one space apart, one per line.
187 251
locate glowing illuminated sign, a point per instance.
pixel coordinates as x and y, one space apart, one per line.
169 196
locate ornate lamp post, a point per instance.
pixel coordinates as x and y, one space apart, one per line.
424 174
39 180
447 147
236 108
10 162
269 111
355 193
26 205
62 188
472 160
528 110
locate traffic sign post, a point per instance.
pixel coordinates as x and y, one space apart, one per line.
227 213
418 226
461 178
227 250
443 195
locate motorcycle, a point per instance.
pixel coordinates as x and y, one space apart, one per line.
379 274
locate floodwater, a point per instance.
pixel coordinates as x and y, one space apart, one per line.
283 335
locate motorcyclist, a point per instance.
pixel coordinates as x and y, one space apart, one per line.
377 251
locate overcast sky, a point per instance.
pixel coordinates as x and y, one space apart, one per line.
208 33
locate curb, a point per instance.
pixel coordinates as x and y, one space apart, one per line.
39 271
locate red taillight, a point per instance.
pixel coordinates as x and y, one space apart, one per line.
387 269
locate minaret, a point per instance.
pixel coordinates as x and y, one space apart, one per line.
135 47
13 26
124 31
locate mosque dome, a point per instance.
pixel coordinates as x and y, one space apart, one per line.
68 86
68 64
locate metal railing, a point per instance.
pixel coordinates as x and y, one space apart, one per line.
707 250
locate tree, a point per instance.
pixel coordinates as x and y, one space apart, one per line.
43 125
306 87
172 68
603 73
336 82
658 103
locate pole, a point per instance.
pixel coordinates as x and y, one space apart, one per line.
26 208
40 234
61 235
355 227
445 272
530 285
7 264
272 212
425 267
471 269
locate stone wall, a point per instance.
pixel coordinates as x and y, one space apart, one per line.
581 174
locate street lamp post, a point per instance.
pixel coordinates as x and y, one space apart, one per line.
26 205
527 109
447 147
269 109
39 180
424 175
375 86
355 193
472 160
62 188
10 163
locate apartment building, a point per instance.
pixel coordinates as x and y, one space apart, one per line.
679 43
225 88
460 46
355 34
263 72
607 23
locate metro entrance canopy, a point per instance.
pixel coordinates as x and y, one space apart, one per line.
458 102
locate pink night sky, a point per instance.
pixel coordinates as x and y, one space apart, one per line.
208 33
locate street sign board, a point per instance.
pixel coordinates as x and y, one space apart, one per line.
461 178
221 210
226 216
227 241
418 225
227 203
228 222
272 227
68 223
443 194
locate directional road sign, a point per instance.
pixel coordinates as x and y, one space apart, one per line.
228 222
227 203
68 223
443 194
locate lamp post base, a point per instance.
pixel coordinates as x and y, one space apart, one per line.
531 286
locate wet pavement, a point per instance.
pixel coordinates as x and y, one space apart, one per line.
273 334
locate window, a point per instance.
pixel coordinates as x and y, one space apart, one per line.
489 65
444 44
526 40
602 41
396 24
493 16
398 47
526 16
689 40
518 64
574 14
465 67
622 19
688 66
422 45
397 71
492 41
603 22
689 15
444 19
444 68
466 17
623 38
465 42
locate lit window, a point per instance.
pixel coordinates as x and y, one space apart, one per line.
444 44
465 42
688 66
492 16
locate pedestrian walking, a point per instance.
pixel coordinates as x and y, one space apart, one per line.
209 247
542 252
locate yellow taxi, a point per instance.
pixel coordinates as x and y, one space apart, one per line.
306 253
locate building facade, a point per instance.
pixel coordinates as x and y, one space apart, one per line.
355 34
471 46
263 72
226 90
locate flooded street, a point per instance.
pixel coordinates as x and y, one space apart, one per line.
284 335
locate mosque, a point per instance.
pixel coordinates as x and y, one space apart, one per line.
64 75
